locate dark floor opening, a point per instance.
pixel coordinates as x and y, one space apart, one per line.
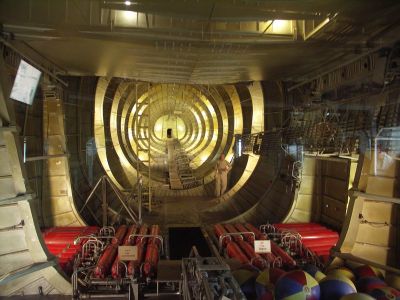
182 239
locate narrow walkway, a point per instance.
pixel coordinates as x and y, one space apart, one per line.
180 172
174 179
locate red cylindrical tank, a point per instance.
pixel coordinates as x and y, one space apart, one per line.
231 229
143 231
151 258
247 249
151 261
219 231
308 228
117 267
322 247
104 264
119 235
248 237
316 233
255 259
131 230
286 258
60 247
133 266
107 258
319 235
234 251
320 242
155 230
69 256
257 232
59 241
297 225
60 238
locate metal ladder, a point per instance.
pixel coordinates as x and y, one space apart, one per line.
143 145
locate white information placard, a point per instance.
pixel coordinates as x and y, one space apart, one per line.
25 83
127 253
262 246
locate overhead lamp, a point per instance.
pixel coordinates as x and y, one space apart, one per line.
281 26
127 3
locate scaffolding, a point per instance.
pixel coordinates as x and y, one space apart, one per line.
143 145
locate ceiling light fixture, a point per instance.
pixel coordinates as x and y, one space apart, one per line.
127 3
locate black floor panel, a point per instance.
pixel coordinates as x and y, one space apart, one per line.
181 240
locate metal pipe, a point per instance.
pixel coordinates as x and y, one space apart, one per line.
163 294
104 200
140 186
76 241
43 69
44 157
129 211
354 59
91 194
107 282
158 237
229 234
102 295
319 27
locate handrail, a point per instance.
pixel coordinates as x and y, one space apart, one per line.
156 236
34 63
229 234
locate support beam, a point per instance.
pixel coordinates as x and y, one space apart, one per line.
374 197
32 62
27 270
104 199
44 157
8 129
17 199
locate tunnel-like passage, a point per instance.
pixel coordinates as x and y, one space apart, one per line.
132 120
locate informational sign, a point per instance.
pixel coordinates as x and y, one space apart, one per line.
127 253
263 246
25 83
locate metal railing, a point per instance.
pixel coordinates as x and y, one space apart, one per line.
101 185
